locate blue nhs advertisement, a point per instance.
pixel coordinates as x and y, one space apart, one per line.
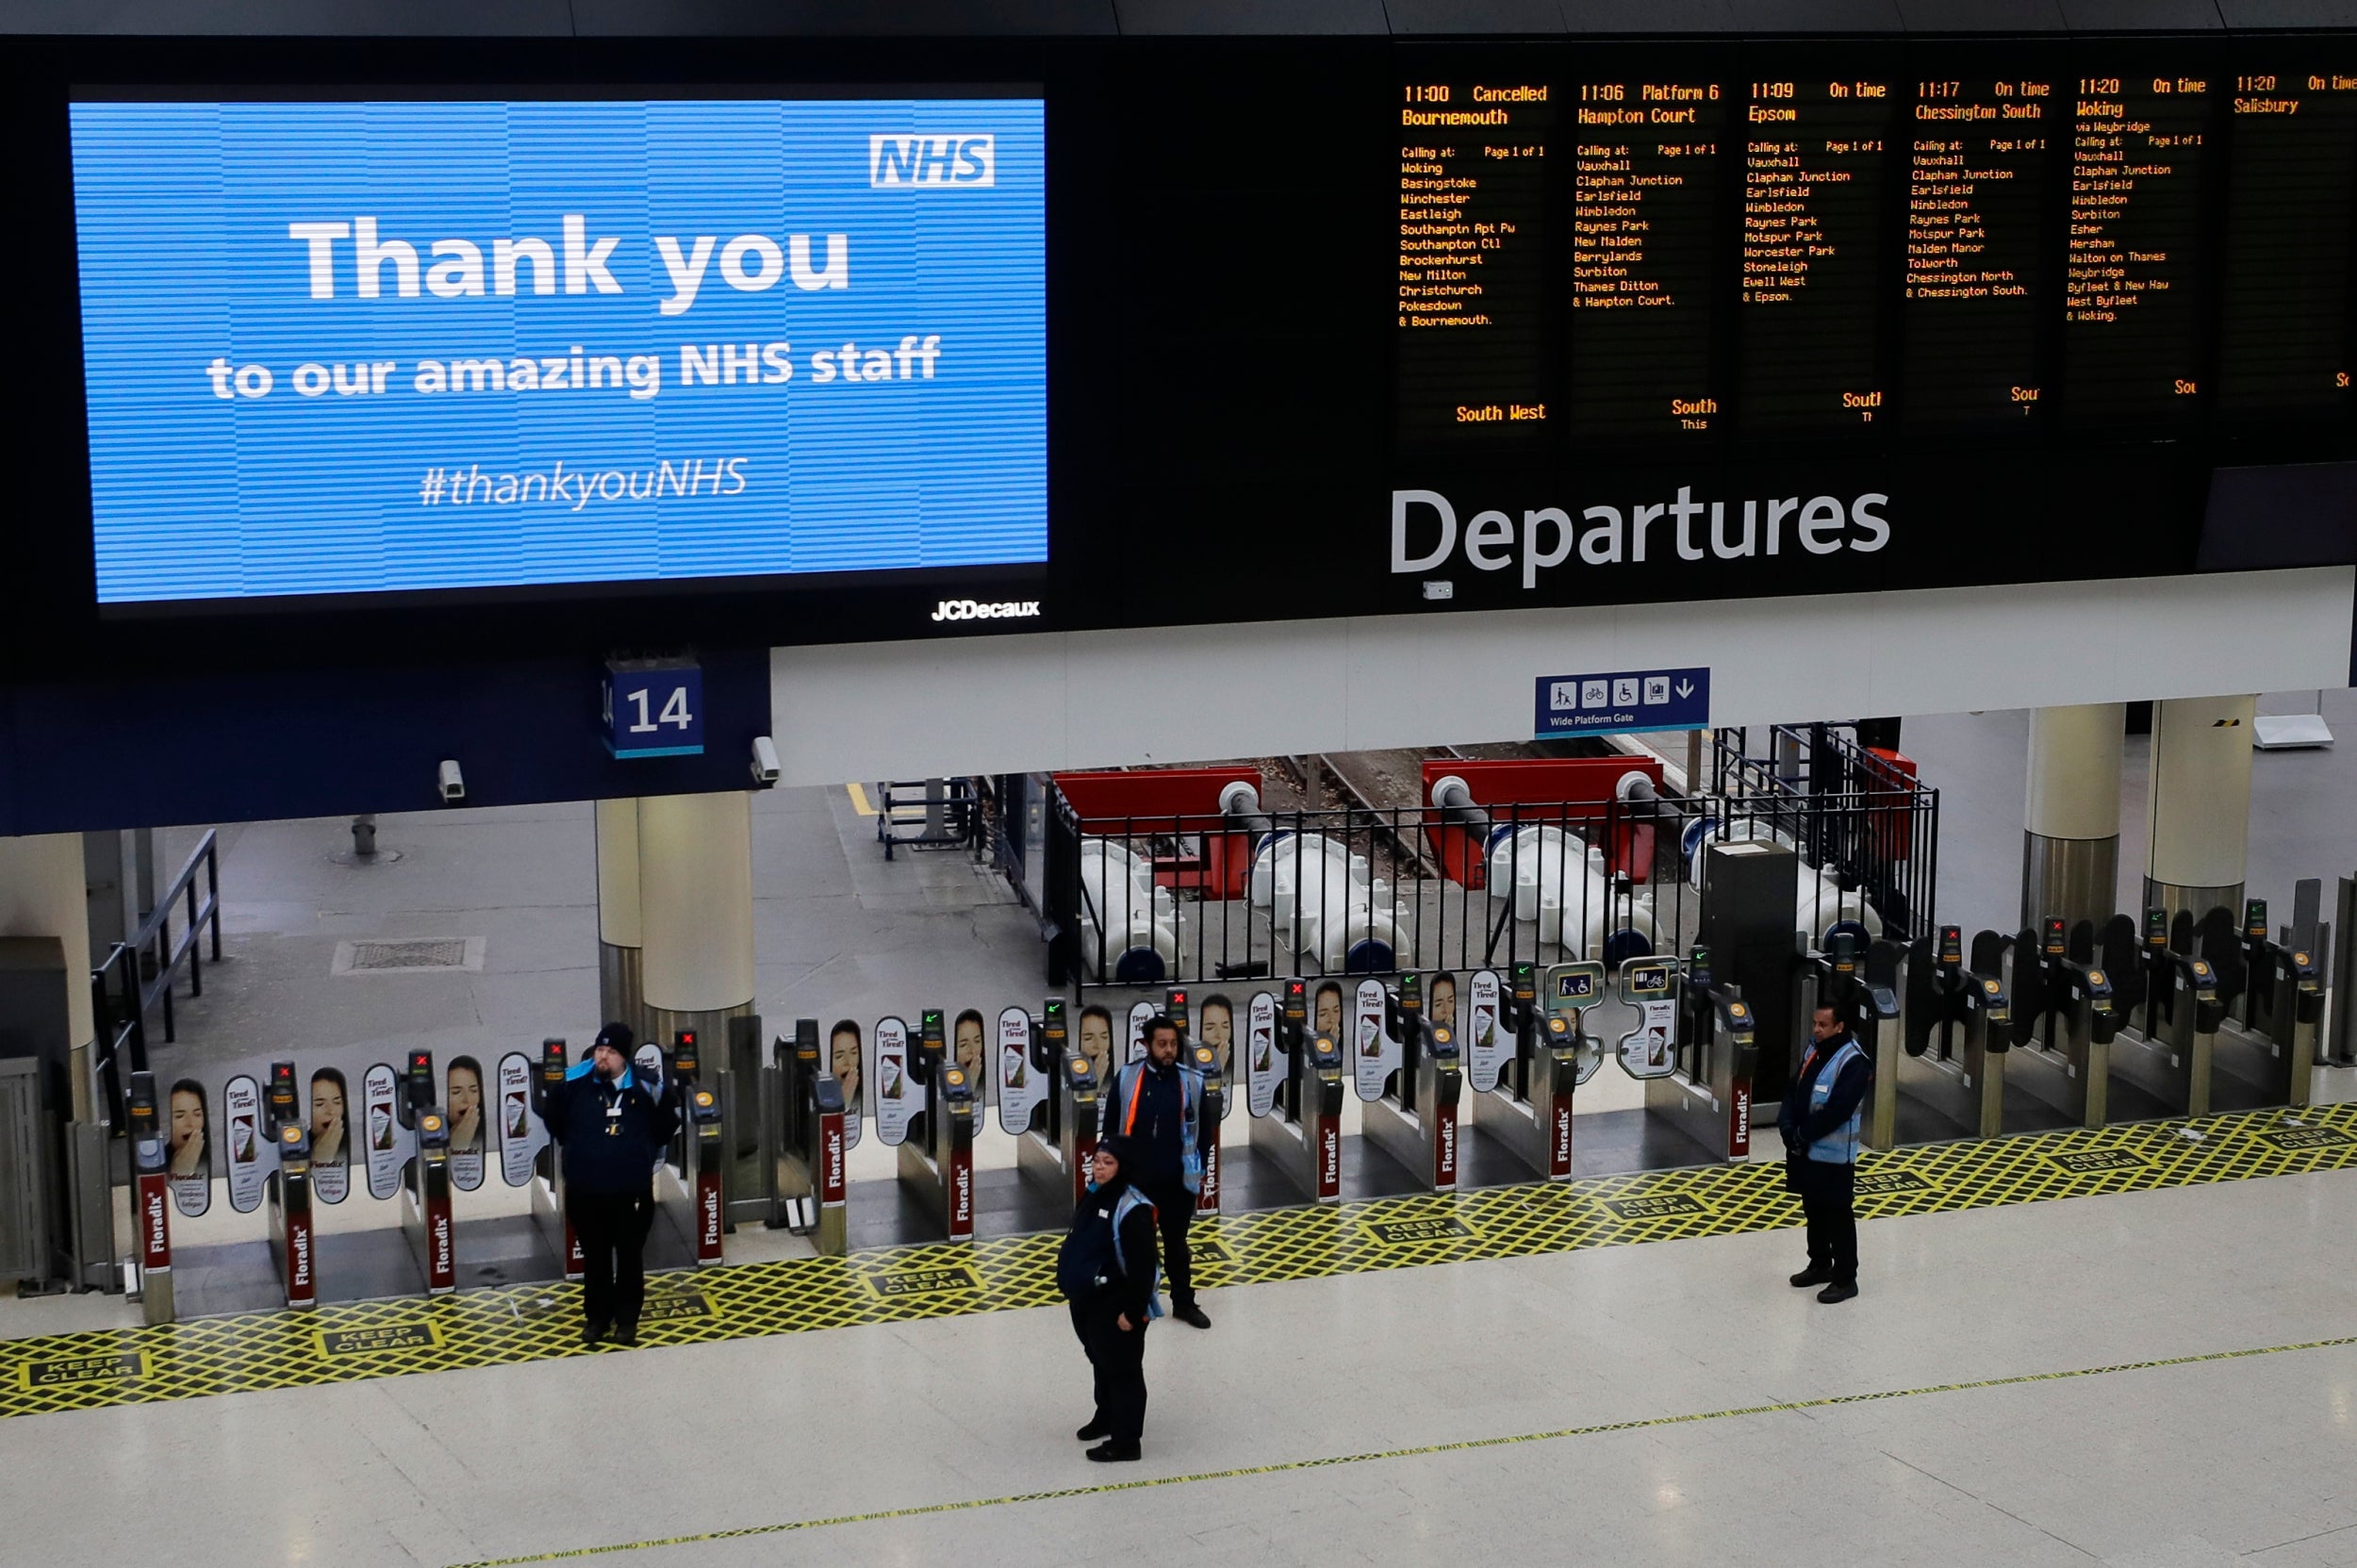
383 347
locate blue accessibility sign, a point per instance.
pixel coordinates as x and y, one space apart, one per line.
1622 700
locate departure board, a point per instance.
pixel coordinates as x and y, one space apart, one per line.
1473 286
2131 307
1668 249
1645 193
1976 255
1812 247
2284 348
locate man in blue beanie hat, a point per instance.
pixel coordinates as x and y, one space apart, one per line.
611 1129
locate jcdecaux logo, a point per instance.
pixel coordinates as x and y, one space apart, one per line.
968 609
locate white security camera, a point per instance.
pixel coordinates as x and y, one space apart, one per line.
765 761
452 783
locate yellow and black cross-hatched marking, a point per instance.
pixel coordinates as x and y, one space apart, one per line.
524 1323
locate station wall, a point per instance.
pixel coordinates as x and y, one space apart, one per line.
1106 699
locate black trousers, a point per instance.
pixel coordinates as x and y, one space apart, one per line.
1117 1356
612 1229
1828 1197
1173 1211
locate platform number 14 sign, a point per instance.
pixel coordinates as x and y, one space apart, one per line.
654 708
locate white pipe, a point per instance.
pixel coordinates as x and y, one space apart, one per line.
1125 912
1551 874
1321 899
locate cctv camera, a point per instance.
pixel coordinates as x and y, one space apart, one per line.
452 783
765 761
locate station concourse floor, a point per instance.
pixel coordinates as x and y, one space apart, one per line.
2112 1409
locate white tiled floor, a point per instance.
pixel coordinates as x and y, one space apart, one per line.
2191 1465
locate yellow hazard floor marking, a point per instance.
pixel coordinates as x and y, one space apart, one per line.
1419 1451
859 800
348 1342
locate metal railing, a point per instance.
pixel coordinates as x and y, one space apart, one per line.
1873 826
135 976
1143 900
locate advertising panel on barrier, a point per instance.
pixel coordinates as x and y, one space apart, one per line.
188 1148
1021 1088
1492 1043
1372 1056
848 1063
462 1102
428 345
898 1094
520 1134
252 1155
1215 1027
1139 1012
1264 1063
389 1143
1441 1005
331 1136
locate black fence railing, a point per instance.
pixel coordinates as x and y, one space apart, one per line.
1143 900
1830 794
135 977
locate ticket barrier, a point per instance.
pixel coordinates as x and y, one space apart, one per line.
293 1246
1302 1133
1053 1154
1530 1112
1864 990
150 1199
1208 1116
548 1176
2170 1047
2065 1019
811 1180
2281 1013
939 1169
1415 1120
1708 1094
1948 1053
425 1216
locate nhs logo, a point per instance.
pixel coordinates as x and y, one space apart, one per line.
949 160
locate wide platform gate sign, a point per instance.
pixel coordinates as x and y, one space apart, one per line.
1622 700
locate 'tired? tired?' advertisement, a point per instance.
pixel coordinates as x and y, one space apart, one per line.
338 348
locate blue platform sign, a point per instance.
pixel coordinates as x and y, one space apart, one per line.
1622 700
654 708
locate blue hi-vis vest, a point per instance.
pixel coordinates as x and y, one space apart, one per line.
1839 1146
1131 1199
1190 1115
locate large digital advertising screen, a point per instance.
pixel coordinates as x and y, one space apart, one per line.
353 348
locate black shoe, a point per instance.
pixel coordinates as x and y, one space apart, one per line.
1094 1430
1113 1453
1189 1313
1836 1292
592 1332
1811 1276
627 1335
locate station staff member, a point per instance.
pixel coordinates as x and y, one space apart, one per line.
1820 1124
1108 1273
612 1131
1157 1104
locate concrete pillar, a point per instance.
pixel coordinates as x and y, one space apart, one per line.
2199 805
2071 821
695 909
42 894
621 990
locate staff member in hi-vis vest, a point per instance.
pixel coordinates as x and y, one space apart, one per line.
1819 1123
1108 1271
1157 1104
612 1131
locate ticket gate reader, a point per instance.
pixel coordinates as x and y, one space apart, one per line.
2171 1057
548 1177
1055 1159
1950 1049
293 1248
279 1105
1529 1113
2064 1021
1303 1132
1214 1104
151 1200
939 1170
1415 1121
1708 1094
425 1216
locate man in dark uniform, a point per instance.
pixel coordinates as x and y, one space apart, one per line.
1157 1103
1107 1272
611 1130
1820 1124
